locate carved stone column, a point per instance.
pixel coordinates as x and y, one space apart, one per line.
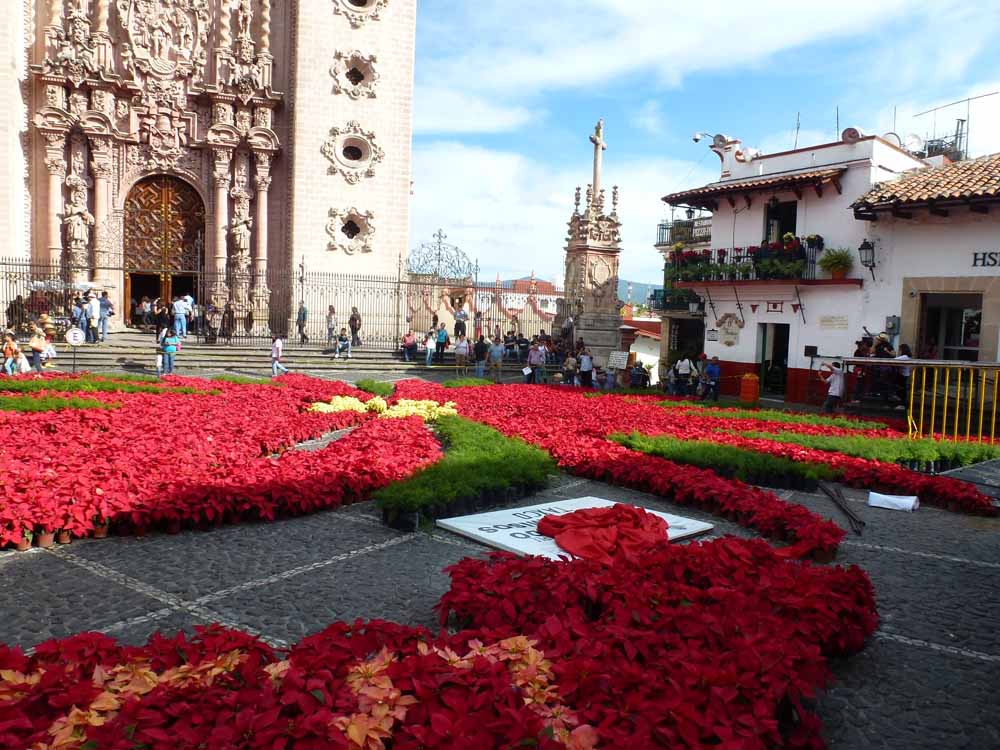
100 168
220 181
53 28
101 35
55 162
262 182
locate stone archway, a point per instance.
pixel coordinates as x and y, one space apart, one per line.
164 239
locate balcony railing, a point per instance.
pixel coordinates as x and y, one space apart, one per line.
793 260
688 231
673 300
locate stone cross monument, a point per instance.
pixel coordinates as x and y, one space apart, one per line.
590 308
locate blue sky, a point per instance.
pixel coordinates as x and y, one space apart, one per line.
507 92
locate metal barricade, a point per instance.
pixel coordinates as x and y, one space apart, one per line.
944 398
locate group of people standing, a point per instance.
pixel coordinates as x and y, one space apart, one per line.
883 382
701 378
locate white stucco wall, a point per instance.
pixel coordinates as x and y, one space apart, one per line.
13 124
647 351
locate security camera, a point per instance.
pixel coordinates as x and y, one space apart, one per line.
912 293
697 137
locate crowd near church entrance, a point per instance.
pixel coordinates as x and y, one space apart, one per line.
164 239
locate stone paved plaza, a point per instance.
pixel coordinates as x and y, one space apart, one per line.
927 679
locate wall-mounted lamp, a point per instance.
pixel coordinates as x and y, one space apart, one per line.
773 203
866 252
694 306
690 213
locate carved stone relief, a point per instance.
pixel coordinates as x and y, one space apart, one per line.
351 231
359 11
354 74
77 54
167 38
352 152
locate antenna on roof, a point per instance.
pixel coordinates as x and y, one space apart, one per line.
796 130
838 119
961 137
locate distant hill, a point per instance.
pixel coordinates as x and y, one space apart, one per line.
640 292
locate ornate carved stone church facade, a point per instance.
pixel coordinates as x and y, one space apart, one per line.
216 147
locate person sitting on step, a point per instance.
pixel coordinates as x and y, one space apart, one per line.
343 344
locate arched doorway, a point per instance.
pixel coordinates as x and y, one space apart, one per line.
164 239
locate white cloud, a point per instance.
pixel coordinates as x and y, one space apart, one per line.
520 50
442 110
650 118
510 211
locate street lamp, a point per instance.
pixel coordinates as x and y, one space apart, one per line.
866 251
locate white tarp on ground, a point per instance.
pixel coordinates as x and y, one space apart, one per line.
516 529
893 502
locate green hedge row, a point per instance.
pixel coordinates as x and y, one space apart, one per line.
773 415
480 468
375 387
464 382
50 403
889 451
730 461
91 384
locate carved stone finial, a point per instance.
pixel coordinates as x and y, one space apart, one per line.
576 201
590 197
614 199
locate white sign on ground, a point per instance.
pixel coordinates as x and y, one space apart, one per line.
516 529
75 337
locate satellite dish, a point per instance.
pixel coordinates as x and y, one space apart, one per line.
913 143
720 141
893 138
852 135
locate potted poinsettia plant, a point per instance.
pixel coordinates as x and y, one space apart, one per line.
837 262
27 535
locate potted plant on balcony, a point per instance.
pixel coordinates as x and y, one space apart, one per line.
837 262
814 242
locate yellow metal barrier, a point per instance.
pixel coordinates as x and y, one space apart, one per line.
936 390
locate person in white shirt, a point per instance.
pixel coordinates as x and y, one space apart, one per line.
833 376
93 318
181 308
586 369
684 368
277 349
462 355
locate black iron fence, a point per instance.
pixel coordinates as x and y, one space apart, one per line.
387 307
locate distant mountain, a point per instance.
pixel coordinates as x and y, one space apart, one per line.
640 292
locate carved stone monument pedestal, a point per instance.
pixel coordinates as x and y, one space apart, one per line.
592 250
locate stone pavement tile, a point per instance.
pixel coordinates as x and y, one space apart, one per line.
940 602
893 696
193 564
927 530
44 597
138 633
401 583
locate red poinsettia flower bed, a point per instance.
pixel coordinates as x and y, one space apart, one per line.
176 458
715 645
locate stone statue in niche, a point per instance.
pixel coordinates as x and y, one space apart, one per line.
239 233
78 221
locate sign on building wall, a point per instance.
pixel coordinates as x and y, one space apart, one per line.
711 335
833 323
775 307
